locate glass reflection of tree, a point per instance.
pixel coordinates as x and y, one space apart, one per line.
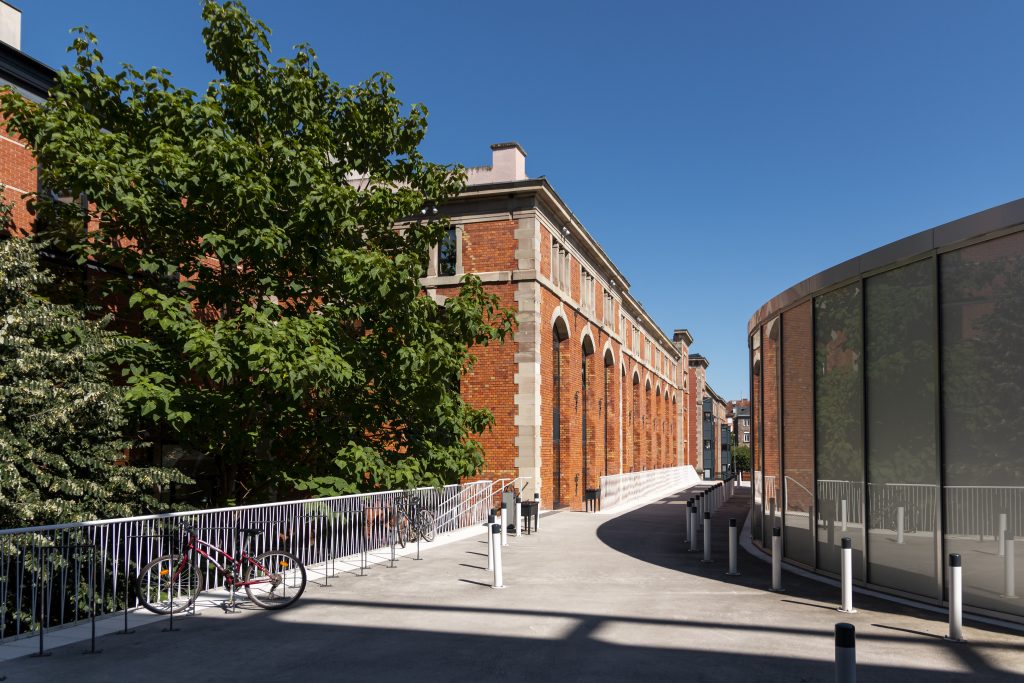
983 365
837 353
900 367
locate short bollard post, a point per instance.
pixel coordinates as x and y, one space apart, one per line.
519 516
733 542
846 653
490 541
844 514
1009 582
686 523
693 528
536 520
504 524
847 576
707 538
1002 533
777 560
899 525
956 627
496 543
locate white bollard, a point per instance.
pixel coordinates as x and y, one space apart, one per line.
490 541
956 629
899 525
536 520
686 523
846 653
777 561
496 542
1002 533
693 528
519 517
844 515
504 524
733 542
707 538
847 577
1009 583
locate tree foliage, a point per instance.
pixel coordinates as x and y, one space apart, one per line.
265 225
62 423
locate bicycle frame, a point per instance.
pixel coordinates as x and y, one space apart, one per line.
231 578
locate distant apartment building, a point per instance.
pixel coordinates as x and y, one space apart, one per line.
739 418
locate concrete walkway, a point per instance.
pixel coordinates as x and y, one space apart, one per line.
589 597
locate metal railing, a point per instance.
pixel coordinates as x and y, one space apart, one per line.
617 489
969 510
61 574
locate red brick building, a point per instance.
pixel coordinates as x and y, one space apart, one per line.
32 80
589 385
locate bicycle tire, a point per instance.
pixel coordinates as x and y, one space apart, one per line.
153 582
403 530
426 526
284 573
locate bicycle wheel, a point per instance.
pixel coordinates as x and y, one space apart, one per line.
274 579
164 585
427 525
403 532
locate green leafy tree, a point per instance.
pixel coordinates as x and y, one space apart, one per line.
741 458
62 423
269 227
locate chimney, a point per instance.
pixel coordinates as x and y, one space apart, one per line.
508 161
10 25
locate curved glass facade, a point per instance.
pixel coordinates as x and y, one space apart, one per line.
888 408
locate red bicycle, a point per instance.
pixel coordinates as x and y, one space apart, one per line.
171 583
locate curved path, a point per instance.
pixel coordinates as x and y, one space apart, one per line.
588 598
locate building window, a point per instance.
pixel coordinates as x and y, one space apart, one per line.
448 254
560 262
586 291
746 437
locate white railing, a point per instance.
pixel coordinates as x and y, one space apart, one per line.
67 570
617 489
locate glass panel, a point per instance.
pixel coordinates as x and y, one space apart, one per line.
838 426
798 434
982 298
899 348
770 435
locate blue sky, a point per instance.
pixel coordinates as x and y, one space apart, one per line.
719 151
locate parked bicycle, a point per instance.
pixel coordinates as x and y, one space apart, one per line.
415 521
171 583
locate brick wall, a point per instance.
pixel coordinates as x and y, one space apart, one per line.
18 175
798 405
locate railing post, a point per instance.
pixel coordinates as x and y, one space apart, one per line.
733 543
686 523
707 538
844 514
777 560
956 632
1002 533
847 576
846 653
496 543
771 506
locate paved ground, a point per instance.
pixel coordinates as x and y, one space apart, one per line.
589 597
